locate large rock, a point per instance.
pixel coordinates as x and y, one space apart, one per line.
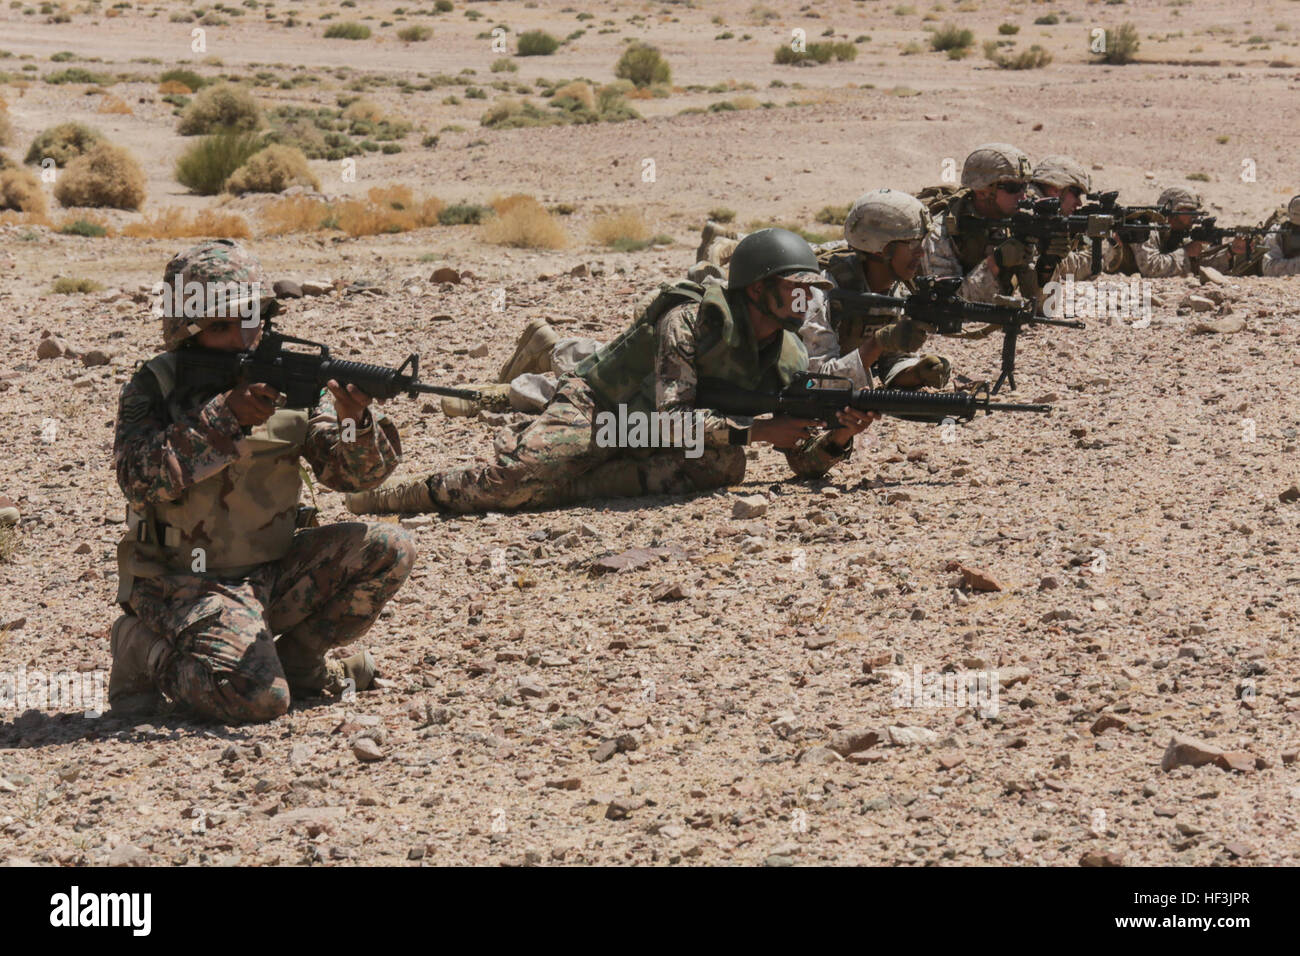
1186 752
51 347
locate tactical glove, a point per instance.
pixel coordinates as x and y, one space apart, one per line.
933 370
1010 253
905 335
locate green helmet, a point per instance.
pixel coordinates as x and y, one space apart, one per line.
774 252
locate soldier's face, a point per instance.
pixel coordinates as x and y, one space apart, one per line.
1181 221
229 335
1071 197
905 258
1008 196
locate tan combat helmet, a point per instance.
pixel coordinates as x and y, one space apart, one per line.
215 280
1178 199
1061 172
1293 211
883 216
995 163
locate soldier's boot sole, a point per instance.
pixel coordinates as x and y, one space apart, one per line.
410 498
532 351
492 398
137 651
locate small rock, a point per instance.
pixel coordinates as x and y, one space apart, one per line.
366 750
818 756
316 287
974 578
1107 722
480 351
845 742
529 687
567 783
604 751
750 506
777 859
1291 494
446 275
1049 583
621 807
1098 858
127 855
287 289
1220 326
51 347
911 736
95 357
816 643
1236 760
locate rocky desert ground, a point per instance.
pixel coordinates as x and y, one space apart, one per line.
711 680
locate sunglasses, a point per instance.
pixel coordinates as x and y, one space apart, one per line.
1075 191
1011 188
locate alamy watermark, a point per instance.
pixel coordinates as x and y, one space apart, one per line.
23 690
634 429
196 300
1113 300
956 689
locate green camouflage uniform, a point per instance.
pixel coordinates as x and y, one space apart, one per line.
199 484
555 459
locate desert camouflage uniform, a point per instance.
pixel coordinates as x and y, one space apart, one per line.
554 459
979 284
325 591
1276 260
1164 253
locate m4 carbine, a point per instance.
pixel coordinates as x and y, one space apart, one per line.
820 397
299 376
936 302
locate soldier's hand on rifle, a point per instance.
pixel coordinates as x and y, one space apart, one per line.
1058 247
852 422
349 403
252 404
782 431
1009 254
905 335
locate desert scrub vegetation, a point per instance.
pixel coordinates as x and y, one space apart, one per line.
107 177
1034 58
1008 29
951 37
172 223
465 214
579 104
78 74
20 190
722 214
272 170
414 34
832 215
88 227
505 65
182 77
536 43
625 231
1121 45
206 165
347 30
224 106
63 143
522 223
389 209
815 53
6 126
71 285
643 65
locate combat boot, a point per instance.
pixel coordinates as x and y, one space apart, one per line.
532 351
8 512
712 230
137 653
334 677
492 398
410 498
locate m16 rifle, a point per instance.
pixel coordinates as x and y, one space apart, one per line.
821 397
937 303
299 376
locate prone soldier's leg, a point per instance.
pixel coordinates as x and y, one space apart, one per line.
329 589
223 663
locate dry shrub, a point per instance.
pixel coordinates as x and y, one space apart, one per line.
24 219
367 110
294 214
172 223
526 225
174 87
628 224
272 170
114 104
20 191
107 176
577 91
504 204
224 106
6 127
63 143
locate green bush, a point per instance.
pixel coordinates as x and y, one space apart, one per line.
272 170
80 227
414 34
951 37
206 165
348 30
186 77
722 214
463 214
77 74
537 43
1008 29
63 143
504 65
224 106
643 65
443 6
72 286
1121 44
1049 20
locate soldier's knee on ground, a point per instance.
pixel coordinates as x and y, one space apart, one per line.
395 549
261 700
